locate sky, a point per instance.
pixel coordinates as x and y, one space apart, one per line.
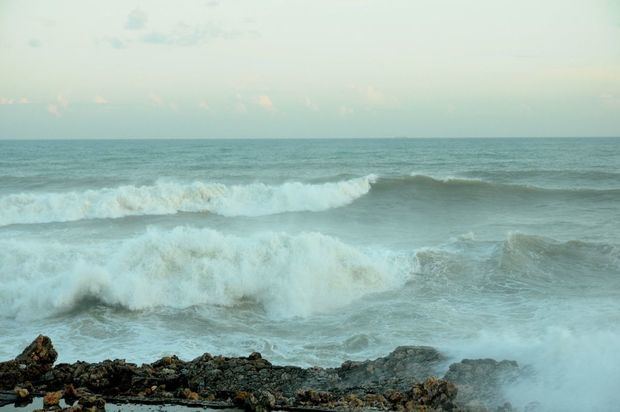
311 68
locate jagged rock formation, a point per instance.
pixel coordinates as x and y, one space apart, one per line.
403 380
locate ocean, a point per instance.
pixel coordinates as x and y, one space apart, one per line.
313 252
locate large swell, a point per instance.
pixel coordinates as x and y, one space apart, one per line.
165 198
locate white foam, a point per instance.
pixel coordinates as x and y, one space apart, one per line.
164 198
289 275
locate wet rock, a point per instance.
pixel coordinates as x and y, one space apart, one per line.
8 398
481 381
404 364
398 381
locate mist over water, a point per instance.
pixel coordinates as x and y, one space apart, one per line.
317 251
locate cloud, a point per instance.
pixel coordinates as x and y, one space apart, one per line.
62 101
136 20
185 35
58 107
156 99
310 105
115 42
265 102
372 96
100 100
611 101
35 43
204 105
8 101
240 106
54 109
344 111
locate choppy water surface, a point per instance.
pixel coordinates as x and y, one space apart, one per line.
317 251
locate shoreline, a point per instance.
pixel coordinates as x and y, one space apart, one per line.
406 379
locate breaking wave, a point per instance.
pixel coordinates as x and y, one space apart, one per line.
165 198
288 275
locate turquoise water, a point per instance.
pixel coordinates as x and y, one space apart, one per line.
317 251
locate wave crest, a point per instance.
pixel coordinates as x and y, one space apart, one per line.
165 198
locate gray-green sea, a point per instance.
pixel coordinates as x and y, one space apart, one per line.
317 251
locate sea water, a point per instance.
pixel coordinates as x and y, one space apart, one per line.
317 251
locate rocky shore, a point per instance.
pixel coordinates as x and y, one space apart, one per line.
404 380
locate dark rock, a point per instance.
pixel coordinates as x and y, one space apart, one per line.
399 381
405 364
481 381
34 361
40 352
92 403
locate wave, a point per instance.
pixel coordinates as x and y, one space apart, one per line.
521 260
165 198
288 275
453 182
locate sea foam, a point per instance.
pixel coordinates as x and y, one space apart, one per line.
288 275
165 198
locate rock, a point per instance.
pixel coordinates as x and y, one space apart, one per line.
404 364
40 351
255 356
36 360
8 398
23 393
481 381
92 403
70 392
52 399
399 381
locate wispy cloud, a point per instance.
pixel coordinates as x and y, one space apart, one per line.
611 101
183 34
5 101
100 100
115 42
136 20
58 107
35 43
240 106
155 99
344 111
158 101
265 102
204 105
54 110
310 105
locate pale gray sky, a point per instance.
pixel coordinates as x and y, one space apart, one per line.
320 68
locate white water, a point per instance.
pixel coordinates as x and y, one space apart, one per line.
165 198
289 275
